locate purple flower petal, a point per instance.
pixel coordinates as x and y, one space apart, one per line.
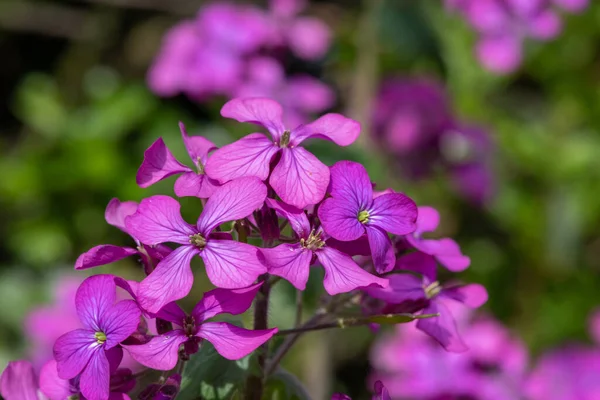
196 185
500 54
420 263
402 287
573 6
442 328
95 378
256 110
350 182
171 280
382 249
120 322
472 295
102 255
545 25
230 264
197 147
233 342
161 352
73 350
118 396
309 38
234 200
158 164
224 301
51 384
381 393
94 298
299 178
158 220
286 8
394 212
428 220
18 381
249 156
340 219
448 254
297 218
116 211
342 274
334 127
289 261
358 247
173 313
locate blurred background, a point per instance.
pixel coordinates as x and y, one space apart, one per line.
504 145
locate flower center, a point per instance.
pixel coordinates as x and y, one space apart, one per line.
73 397
363 217
285 139
432 290
100 337
314 241
199 166
198 240
189 326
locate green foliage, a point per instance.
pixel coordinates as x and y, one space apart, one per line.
282 385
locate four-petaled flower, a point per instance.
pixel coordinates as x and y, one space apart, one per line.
351 210
90 351
298 177
229 264
230 341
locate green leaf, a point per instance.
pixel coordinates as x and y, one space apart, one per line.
282 385
390 319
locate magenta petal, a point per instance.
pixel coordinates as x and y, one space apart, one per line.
572 5
158 220
102 255
309 38
249 156
289 261
171 280
473 295
402 287
350 182
381 393
420 263
51 384
161 352
230 264
449 255
120 322
118 396
173 313
196 146
428 219
501 55
116 211
358 247
545 25
73 350
256 110
196 185
342 274
233 342
234 200
158 164
340 219
394 212
94 298
442 328
18 381
224 301
335 127
297 218
382 249
95 378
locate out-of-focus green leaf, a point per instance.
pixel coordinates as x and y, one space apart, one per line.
282 385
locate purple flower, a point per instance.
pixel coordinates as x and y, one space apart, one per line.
87 352
298 177
445 250
18 382
573 6
351 211
230 341
115 214
431 296
292 261
229 264
159 164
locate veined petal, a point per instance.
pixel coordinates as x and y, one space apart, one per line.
161 352
297 218
442 328
158 164
234 200
51 384
171 280
256 110
350 182
230 264
342 274
249 156
402 287
173 313
340 219
120 321
18 381
117 210
334 127
224 301
420 263
382 249
197 147
299 178
233 342
95 296
95 378
73 350
158 220
395 213
102 255
196 185
289 261
473 295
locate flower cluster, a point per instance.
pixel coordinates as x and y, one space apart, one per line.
414 122
259 188
238 50
504 25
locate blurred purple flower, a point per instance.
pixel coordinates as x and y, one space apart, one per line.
19 382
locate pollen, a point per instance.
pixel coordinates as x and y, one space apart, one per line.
363 217
198 240
432 290
314 241
100 337
285 139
